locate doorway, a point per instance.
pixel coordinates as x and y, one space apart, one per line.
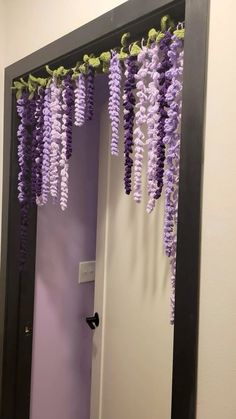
17 290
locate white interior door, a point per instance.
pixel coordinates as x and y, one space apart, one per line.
132 348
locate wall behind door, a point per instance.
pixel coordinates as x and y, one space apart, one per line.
62 345
217 365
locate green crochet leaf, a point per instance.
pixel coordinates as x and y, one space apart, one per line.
105 67
83 69
18 94
160 36
48 82
135 49
23 82
179 33
152 34
122 55
32 78
94 62
75 75
49 71
105 57
164 21
18 85
86 58
124 39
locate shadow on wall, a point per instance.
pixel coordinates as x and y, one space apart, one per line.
62 346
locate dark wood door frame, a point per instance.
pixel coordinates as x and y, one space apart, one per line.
17 290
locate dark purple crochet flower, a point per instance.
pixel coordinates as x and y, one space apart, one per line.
67 107
90 93
131 69
32 105
25 113
164 83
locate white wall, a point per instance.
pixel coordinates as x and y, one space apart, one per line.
217 349
32 25
2 61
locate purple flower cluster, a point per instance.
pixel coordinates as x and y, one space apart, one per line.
172 142
152 126
115 75
129 101
164 82
80 100
66 137
24 110
38 157
142 78
90 93
56 118
67 108
47 128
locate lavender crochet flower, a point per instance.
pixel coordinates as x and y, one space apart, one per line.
90 93
66 137
80 100
172 142
131 69
47 127
38 151
24 111
142 78
115 75
152 126
56 113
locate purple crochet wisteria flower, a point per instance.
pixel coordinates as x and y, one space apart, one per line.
172 142
142 78
24 110
47 127
80 100
34 139
129 101
164 83
66 137
38 151
90 93
115 76
56 117
68 109
152 126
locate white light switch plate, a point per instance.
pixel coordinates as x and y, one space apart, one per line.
87 271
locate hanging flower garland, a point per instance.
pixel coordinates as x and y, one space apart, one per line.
142 78
47 128
115 75
152 125
66 137
172 142
39 142
151 100
90 93
34 149
131 69
24 160
56 115
80 100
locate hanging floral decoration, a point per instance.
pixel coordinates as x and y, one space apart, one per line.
152 86
115 75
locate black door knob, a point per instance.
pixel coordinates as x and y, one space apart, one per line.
93 321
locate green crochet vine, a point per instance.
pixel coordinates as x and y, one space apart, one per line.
100 63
